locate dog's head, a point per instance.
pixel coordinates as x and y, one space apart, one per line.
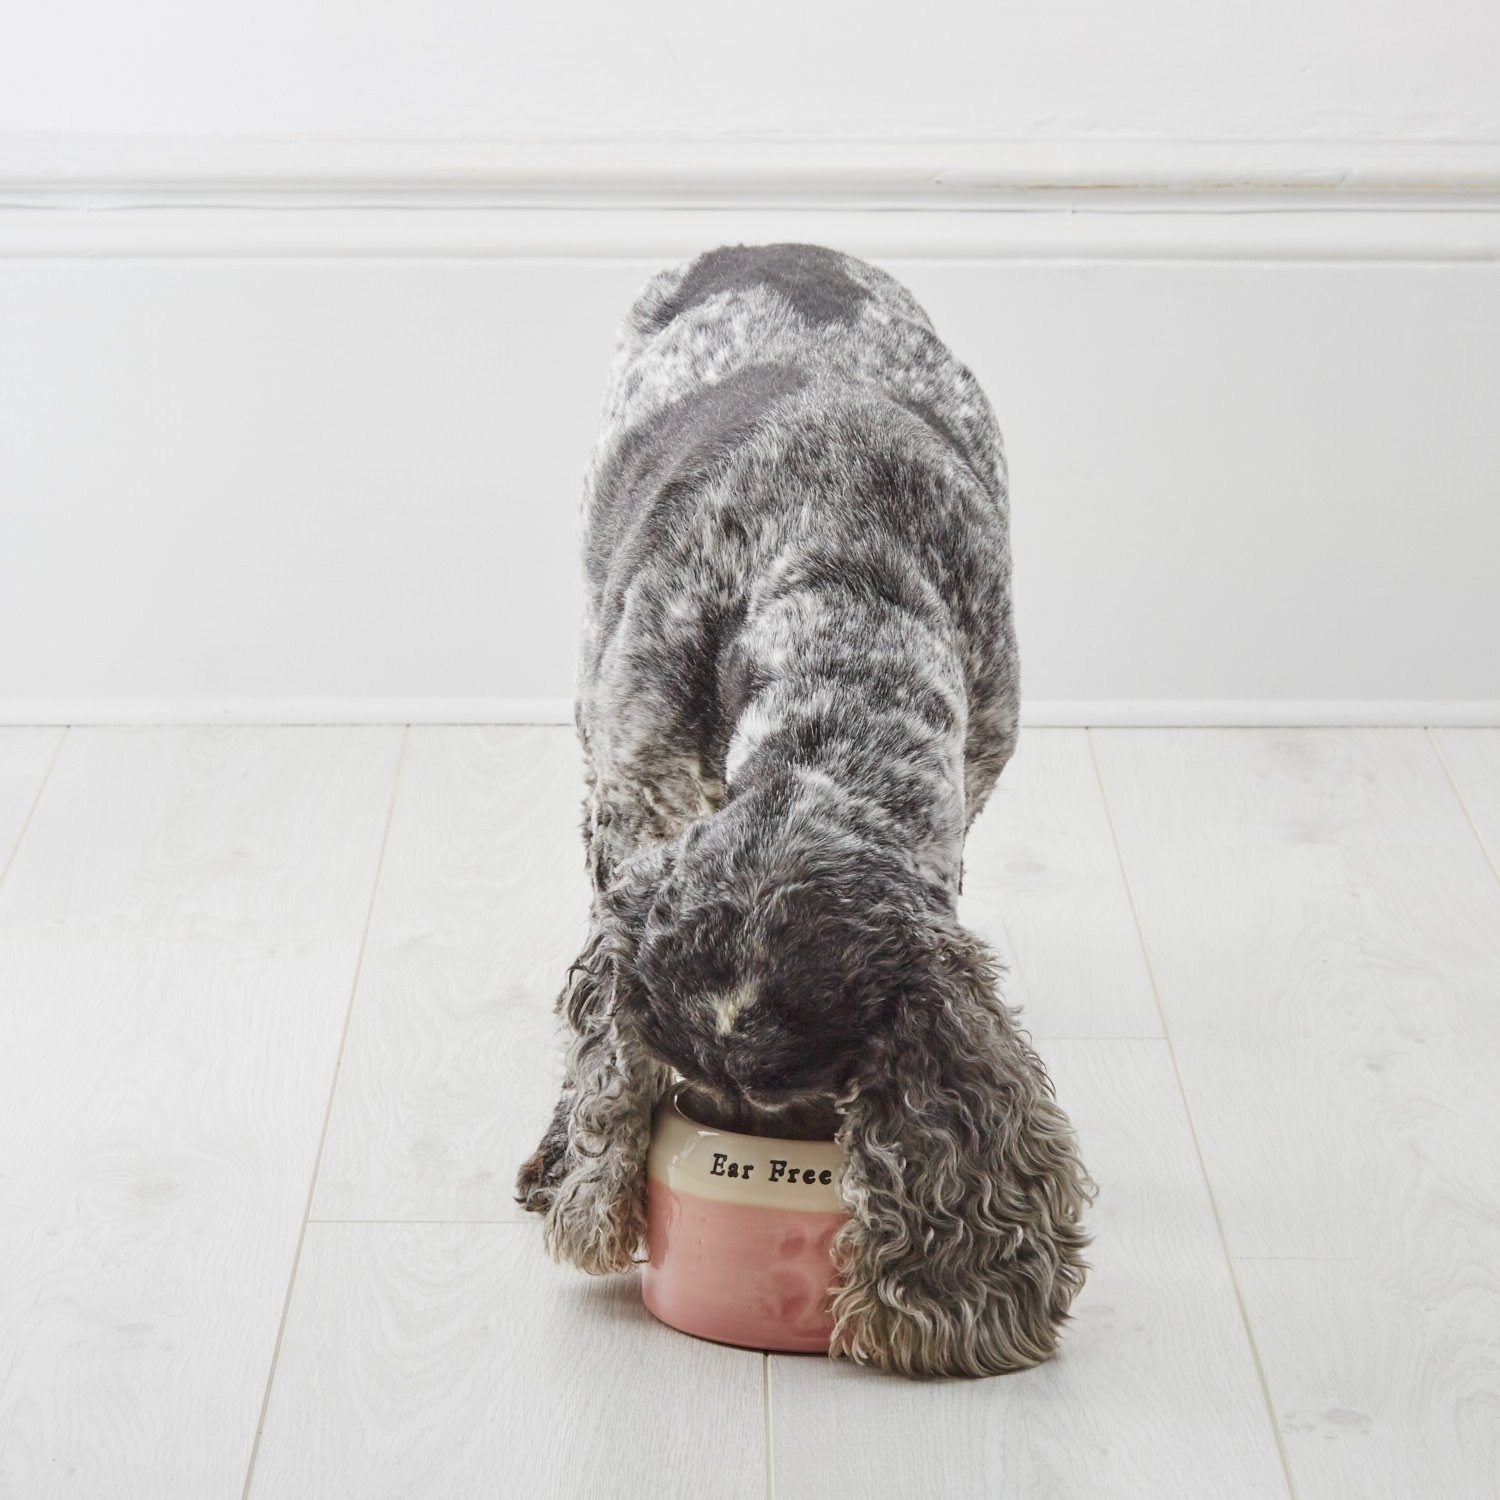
763 950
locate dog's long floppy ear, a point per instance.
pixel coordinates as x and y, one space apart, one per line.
963 1183
596 1217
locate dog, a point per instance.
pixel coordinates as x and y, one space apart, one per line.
797 686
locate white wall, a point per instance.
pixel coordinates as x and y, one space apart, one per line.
1188 69
301 344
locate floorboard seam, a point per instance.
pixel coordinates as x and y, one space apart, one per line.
438 1223
312 1186
36 800
1213 1200
765 1395
1484 848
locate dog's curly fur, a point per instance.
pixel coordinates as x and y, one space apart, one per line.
797 687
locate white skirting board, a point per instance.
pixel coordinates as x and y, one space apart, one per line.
1185 713
297 437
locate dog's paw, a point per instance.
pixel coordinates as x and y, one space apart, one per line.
536 1182
545 1168
594 1205
596 1221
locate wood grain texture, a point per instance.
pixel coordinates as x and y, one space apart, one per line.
1384 1370
25 755
206 833
454 1057
160 1105
1325 934
439 1359
1472 759
1155 1392
1042 884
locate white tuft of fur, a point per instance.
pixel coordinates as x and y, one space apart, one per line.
729 1007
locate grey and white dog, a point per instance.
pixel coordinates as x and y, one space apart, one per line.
797 686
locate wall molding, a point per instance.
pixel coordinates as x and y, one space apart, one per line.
654 200
726 171
1138 713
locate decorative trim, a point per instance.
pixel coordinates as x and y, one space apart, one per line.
649 200
725 170
1101 713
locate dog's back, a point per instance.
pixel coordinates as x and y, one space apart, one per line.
774 412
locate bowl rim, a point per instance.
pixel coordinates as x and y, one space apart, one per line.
672 1100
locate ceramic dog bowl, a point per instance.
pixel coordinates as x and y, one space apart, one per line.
739 1230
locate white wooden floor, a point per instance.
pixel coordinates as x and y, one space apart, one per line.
275 1030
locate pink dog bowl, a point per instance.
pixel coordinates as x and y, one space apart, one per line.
738 1233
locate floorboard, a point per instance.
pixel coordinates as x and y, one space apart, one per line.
179 935
241 833
454 1359
454 1057
1325 934
160 1105
1042 885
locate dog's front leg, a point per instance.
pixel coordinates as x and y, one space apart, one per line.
589 1173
